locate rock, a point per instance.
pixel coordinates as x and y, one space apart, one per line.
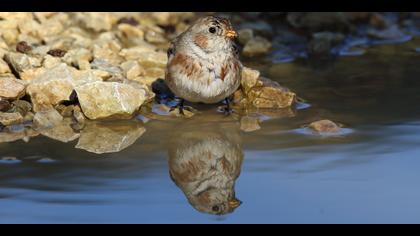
55 86
391 33
103 65
249 124
10 118
134 53
322 43
319 21
4 105
21 106
4 68
11 88
259 27
256 46
47 119
79 57
78 115
113 137
270 95
21 62
33 73
249 79
155 37
128 21
324 126
62 132
96 21
245 35
110 99
132 69
65 111
23 47
6 137
57 52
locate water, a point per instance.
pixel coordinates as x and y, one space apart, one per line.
177 171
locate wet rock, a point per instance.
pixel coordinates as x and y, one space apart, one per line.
10 118
11 88
6 137
4 68
47 119
249 124
250 78
391 33
270 95
324 126
23 47
113 137
322 43
62 132
319 21
256 46
259 27
110 99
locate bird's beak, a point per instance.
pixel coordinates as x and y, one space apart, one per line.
234 203
231 34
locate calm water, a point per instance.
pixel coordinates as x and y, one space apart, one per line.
177 171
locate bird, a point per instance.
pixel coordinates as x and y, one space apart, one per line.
203 63
204 162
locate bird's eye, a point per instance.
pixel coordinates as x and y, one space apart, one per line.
212 30
215 208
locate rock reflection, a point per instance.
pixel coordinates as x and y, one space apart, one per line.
204 162
109 137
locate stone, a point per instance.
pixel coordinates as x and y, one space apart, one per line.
21 106
256 46
32 73
57 52
322 43
249 124
78 115
23 47
113 137
51 61
270 95
11 88
134 53
65 111
55 86
132 69
62 132
324 126
245 35
4 68
319 21
249 78
80 57
47 119
10 118
21 62
96 21
155 37
4 105
110 99
104 65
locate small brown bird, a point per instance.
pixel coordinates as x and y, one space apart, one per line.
203 64
204 162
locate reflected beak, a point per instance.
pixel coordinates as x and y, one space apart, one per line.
234 203
231 34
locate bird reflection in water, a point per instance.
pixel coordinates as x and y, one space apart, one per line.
204 162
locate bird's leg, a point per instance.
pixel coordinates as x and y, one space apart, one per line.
227 110
180 106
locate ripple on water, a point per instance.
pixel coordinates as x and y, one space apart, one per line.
9 160
311 132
